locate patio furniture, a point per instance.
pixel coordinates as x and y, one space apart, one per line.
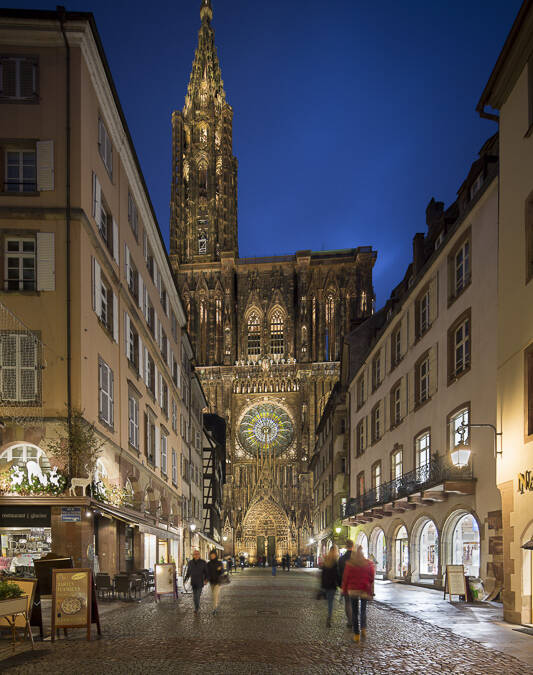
104 586
122 585
137 583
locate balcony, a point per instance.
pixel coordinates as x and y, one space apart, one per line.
430 483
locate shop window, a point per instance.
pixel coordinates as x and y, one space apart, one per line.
428 550
20 372
466 545
401 553
377 548
459 347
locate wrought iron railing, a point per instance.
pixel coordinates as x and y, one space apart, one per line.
422 478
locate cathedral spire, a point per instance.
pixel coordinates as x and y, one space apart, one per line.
206 11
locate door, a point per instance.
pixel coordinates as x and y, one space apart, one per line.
271 549
260 547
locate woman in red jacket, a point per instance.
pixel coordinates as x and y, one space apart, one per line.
358 584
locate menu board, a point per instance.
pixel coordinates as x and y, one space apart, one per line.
71 599
455 580
165 579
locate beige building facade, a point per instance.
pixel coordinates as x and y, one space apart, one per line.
510 92
421 372
92 320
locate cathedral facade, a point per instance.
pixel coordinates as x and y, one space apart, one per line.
267 331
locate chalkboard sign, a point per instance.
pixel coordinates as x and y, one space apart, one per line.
455 581
165 580
43 571
71 599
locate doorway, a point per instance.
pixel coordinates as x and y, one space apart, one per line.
260 547
271 549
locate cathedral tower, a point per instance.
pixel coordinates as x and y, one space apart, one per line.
204 170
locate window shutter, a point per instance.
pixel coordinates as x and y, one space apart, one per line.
116 252
145 434
141 293
45 165
146 367
115 318
156 383
97 282
157 445
141 354
411 334
433 299
97 199
111 398
46 274
127 262
127 335
145 305
433 369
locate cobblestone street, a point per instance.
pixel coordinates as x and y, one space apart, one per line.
264 625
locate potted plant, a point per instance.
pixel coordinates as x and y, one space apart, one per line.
12 599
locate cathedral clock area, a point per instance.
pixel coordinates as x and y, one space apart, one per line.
267 331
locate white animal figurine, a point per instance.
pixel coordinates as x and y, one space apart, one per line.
53 477
79 482
17 476
33 470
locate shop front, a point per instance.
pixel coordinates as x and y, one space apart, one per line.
25 535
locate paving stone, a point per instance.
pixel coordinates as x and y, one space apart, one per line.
265 625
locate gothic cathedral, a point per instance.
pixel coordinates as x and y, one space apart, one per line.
267 331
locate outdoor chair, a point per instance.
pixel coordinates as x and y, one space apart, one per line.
123 585
104 585
137 583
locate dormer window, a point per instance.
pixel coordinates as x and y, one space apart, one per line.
476 186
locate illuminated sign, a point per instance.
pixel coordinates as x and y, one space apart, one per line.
525 482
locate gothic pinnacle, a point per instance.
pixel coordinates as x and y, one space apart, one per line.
206 11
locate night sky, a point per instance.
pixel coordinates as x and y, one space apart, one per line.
348 115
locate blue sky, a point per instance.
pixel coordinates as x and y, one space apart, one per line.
348 115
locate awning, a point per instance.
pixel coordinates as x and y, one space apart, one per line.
210 541
133 520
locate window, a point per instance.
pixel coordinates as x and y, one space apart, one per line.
422 379
376 371
529 390
376 422
163 297
164 346
163 395
133 215
105 302
459 347
105 385
276 333
476 186
20 455
360 483
19 368
174 325
150 314
174 468
149 372
376 478
163 453
330 337
132 344
360 391
396 464
133 280
18 78
21 171
133 421
423 454
19 264
149 437
459 431
105 148
174 416
396 405
459 266
149 257
422 319
360 436
396 346
254 335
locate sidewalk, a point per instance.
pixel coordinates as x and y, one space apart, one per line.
481 621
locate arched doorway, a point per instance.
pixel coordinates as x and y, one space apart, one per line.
362 540
428 550
401 553
377 550
466 544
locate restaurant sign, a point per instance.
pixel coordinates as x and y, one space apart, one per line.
24 516
525 482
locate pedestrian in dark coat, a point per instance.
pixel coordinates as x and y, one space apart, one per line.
215 569
330 579
197 573
342 562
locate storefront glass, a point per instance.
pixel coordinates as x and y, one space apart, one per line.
362 540
21 546
466 545
150 551
377 549
428 549
401 550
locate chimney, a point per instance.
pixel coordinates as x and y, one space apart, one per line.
418 252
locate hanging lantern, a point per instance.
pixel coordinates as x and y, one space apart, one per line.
460 455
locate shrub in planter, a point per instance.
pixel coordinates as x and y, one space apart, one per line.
9 590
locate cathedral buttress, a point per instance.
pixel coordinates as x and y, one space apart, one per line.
203 219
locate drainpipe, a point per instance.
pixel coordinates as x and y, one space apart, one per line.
61 12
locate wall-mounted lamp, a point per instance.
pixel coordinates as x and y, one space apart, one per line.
193 527
338 530
460 454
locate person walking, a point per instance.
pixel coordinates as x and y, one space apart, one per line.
342 562
330 579
197 573
274 566
358 584
215 569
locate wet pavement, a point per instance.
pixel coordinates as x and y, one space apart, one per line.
265 624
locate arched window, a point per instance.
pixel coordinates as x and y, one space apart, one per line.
202 316
277 341
254 335
202 180
466 545
218 330
202 242
330 328
401 553
23 453
428 549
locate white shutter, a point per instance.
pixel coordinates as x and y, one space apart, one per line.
146 367
97 199
97 284
145 303
433 299
127 263
433 369
46 272
141 354
45 165
156 383
116 252
141 293
115 318
127 335
157 445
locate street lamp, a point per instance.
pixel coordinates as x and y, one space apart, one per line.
338 530
311 541
192 526
460 454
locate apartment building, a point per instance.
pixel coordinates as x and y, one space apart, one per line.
330 477
92 320
509 92
422 378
